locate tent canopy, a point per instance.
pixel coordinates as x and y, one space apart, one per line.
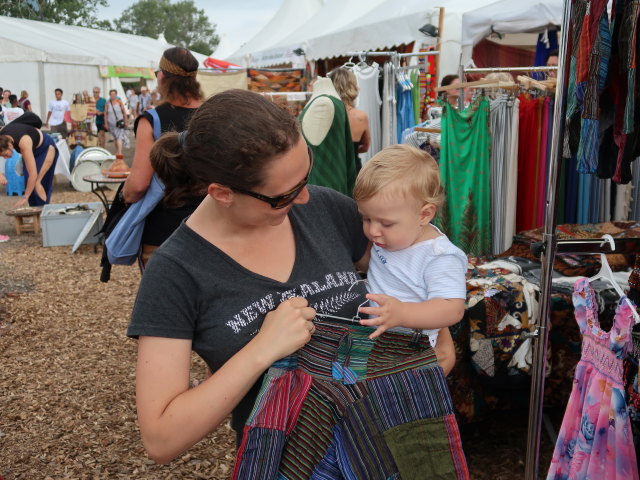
288 17
507 16
28 40
342 26
334 15
39 57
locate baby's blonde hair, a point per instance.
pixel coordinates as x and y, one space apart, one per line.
410 172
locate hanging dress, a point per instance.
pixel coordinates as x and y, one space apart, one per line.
465 171
595 440
369 100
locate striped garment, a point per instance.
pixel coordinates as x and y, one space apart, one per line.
349 407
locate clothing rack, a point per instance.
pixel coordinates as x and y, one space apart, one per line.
394 61
548 250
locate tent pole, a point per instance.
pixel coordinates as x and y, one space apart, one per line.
439 44
42 92
462 79
541 334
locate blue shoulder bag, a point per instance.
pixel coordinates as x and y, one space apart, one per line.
123 243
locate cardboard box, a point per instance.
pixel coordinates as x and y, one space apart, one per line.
62 223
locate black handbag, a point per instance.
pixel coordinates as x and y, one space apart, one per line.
116 210
119 122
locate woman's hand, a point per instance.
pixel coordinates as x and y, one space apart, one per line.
23 201
3 179
287 328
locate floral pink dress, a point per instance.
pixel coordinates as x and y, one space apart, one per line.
595 440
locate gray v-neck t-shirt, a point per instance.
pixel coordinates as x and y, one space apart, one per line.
192 290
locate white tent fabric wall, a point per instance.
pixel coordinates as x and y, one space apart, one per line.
290 15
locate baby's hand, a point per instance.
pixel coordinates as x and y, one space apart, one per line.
387 314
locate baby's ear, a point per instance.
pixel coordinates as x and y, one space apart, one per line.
427 212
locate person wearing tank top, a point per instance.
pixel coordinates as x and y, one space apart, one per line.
182 96
39 154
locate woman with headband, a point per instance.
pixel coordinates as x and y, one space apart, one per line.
181 96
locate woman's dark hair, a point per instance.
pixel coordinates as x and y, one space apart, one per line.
448 79
180 87
230 140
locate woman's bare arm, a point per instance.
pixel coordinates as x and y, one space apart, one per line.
173 417
139 179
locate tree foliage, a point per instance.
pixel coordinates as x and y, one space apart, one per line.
68 12
181 23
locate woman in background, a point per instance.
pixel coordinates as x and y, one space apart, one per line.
346 85
24 103
182 95
117 122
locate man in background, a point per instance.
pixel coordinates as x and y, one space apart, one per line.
100 123
132 105
144 103
55 115
13 112
552 61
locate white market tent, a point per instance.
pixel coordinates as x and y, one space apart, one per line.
334 15
289 16
390 23
39 57
508 16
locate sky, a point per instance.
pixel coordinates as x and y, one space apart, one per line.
236 20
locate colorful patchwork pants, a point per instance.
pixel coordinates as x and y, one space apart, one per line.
347 407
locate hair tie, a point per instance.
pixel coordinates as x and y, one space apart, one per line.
181 136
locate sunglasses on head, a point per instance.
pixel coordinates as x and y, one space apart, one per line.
287 198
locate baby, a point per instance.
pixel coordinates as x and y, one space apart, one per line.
416 275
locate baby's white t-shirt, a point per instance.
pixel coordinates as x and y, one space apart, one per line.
429 269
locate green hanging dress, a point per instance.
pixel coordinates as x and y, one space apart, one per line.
465 172
334 161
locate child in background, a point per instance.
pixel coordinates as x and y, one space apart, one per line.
416 276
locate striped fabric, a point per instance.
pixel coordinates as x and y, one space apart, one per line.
395 421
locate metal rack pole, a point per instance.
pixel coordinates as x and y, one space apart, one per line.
373 54
548 255
419 54
509 69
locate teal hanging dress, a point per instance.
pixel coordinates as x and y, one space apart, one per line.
465 172
334 160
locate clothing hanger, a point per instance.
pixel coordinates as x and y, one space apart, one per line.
363 61
458 86
532 83
349 63
427 130
606 273
355 320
